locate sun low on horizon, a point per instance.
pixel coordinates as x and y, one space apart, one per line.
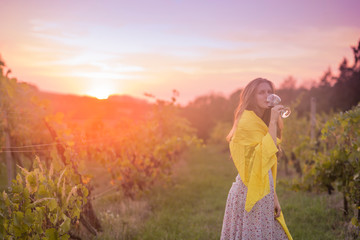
101 93
101 90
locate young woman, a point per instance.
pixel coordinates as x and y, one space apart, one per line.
252 208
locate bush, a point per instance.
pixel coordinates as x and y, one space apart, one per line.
42 204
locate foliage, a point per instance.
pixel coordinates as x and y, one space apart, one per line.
42 204
342 135
337 164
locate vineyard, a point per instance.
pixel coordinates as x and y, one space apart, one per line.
49 159
61 176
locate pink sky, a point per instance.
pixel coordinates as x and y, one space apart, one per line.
196 47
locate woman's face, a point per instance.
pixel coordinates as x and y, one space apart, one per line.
261 93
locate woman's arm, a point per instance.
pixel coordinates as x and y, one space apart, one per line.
275 115
273 130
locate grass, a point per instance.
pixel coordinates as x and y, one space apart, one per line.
193 207
312 216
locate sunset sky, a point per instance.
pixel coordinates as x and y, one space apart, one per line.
197 47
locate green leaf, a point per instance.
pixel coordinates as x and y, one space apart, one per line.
52 204
51 234
6 199
17 188
17 232
85 191
65 226
75 213
64 237
354 221
29 217
42 192
31 182
18 218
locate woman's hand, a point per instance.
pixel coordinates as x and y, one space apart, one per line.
277 208
275 113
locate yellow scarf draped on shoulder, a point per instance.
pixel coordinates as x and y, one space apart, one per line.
254 154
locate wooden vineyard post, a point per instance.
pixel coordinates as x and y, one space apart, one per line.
312 118
10 164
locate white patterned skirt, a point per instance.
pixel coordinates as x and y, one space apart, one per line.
259 223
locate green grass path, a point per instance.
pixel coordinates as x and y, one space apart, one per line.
193 207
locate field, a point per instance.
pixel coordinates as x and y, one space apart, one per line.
192 205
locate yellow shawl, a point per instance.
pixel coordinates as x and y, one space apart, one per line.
254 154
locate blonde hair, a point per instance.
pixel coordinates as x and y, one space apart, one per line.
247 102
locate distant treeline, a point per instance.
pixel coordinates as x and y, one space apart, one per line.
332 93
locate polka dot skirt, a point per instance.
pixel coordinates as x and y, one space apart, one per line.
259 223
